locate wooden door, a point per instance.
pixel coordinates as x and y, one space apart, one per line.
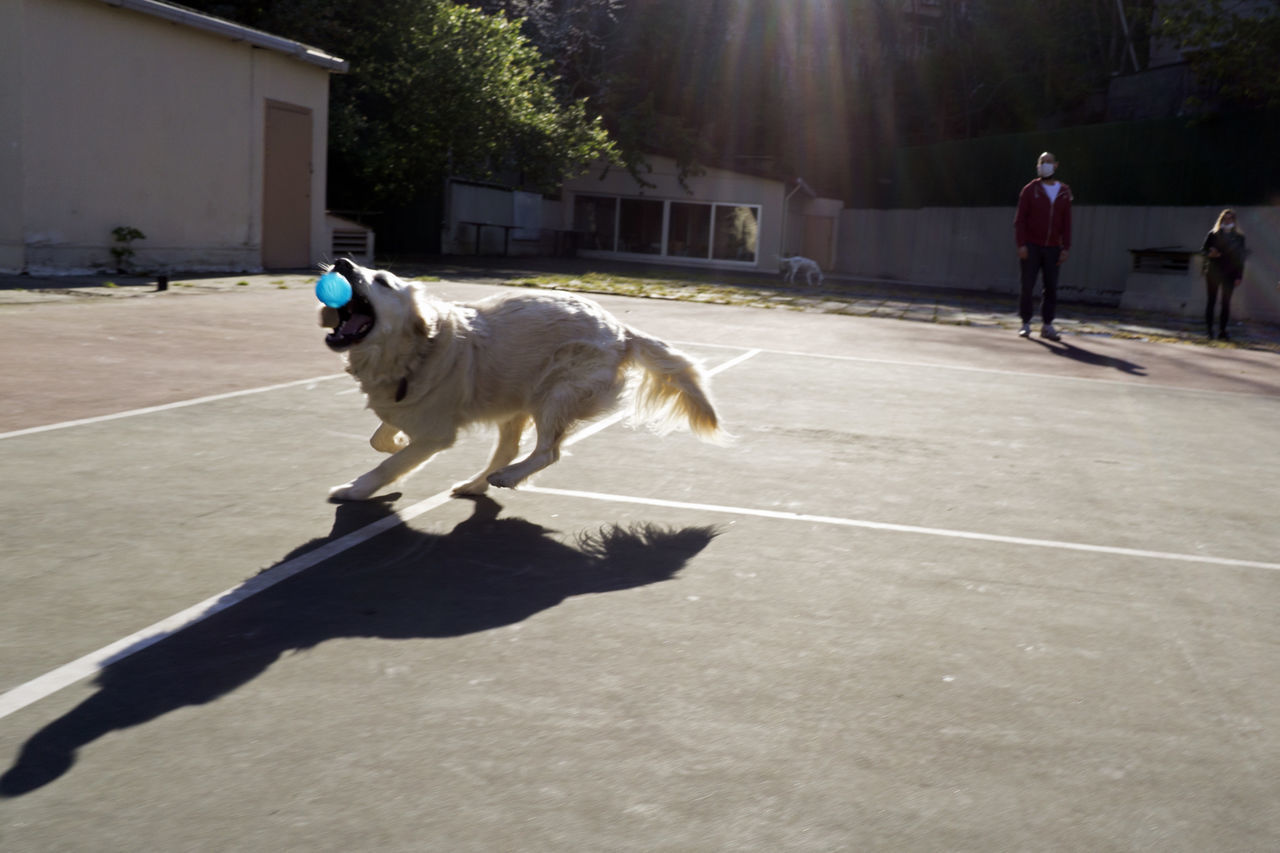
286 187
818 233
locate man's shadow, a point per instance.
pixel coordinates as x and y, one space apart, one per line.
403 584
1085 356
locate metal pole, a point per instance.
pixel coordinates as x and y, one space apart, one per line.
1124 25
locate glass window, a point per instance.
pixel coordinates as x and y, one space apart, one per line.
637 226
689 230
640 226
595 218
736 232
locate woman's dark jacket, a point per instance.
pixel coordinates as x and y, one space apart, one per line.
1229 266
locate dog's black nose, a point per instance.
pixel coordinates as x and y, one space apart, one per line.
345 266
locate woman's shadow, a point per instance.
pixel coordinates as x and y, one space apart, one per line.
403 584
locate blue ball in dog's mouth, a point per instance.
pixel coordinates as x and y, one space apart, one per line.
333 289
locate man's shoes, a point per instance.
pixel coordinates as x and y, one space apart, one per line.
1223 336
1048 331
1025 331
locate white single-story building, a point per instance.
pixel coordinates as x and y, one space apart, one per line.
208 137
719 219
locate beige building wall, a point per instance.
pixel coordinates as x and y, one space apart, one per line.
130 120
11 151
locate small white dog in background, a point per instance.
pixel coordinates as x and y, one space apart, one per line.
797 264
430 368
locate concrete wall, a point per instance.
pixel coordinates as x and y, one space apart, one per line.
973 248
127 119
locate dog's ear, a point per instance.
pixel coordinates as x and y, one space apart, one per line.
426 318
426 325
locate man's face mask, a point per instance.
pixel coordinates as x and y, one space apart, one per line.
1046 169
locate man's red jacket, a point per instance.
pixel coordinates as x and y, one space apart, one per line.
1041 221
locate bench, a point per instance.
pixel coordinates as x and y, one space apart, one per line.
1164 279
480 226
1162 260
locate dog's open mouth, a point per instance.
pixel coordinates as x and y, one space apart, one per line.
351 323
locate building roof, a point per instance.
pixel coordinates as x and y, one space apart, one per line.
233 31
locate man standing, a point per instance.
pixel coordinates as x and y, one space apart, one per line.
1042 229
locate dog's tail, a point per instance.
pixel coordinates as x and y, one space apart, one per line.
672 390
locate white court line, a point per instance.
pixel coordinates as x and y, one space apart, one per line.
64 676
68 674
598 426
150 410
907 528
734 362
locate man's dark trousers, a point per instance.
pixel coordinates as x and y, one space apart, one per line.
1040 259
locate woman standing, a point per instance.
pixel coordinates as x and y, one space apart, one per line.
1224 268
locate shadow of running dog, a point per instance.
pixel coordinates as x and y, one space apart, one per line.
404 584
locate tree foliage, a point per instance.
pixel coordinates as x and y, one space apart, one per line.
827 89
434 89
574 35
619 55
1231 46
1018 64
456 92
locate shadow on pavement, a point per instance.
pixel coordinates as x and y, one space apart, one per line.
403 584
1084 356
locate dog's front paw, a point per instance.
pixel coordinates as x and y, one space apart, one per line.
471 487
504 479
353 491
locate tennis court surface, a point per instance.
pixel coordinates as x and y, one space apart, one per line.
949 590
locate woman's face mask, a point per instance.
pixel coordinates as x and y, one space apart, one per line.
1046 170
1227 226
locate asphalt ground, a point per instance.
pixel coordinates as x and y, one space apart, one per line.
949 590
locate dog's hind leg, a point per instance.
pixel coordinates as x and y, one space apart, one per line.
395 466
506 448
545 453
570 401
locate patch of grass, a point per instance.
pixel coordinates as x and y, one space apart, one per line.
710 287
651 279
654 285
835 298
109 284
242 284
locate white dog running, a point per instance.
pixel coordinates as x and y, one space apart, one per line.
430 367
797 264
